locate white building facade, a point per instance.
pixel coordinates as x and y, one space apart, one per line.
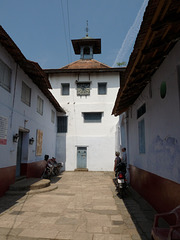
154 135
27 115
87 90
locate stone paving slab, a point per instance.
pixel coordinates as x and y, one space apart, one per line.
84 205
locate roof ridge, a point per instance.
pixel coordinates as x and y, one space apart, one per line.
85 63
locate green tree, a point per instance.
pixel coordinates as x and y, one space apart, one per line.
119 64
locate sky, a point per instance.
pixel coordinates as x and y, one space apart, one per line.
43 29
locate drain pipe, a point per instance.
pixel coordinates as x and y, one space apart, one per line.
14 94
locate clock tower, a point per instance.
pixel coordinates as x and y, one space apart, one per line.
87 135
87 46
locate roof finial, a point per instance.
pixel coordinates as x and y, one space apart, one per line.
87 29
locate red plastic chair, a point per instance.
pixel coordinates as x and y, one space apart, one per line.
171 233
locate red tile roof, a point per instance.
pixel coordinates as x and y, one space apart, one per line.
159 32
86 64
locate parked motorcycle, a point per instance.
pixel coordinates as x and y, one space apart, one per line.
52 167
57 166
48 171
121 181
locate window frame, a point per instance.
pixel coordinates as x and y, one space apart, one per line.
90 117
52 116
83 88
62 124
102 88
40 105
65 87
141 110
141 136
5 76
26 94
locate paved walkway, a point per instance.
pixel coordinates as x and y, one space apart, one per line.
85 206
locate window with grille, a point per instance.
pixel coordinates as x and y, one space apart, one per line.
102 88
5 76
83 89
26 94
62 124
40 103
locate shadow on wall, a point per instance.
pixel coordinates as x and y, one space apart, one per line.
61 150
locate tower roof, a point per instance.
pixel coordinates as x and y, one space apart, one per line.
87 41
86 64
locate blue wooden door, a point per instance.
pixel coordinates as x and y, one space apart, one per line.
81 157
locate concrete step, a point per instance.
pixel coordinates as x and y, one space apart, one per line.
29 184
30 192
81 170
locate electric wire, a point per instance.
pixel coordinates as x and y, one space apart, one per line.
65 31
69 33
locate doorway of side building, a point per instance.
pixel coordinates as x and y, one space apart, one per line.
81 157
22 150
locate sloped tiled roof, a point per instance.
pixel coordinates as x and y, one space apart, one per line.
32 69
159 32
85 64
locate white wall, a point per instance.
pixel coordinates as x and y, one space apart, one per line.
162 120
99 138
16 111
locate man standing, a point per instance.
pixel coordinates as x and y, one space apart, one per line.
124 156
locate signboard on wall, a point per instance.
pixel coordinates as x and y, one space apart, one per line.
39 141
3 130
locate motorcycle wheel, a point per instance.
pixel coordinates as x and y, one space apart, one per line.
120 192
56 171
47 174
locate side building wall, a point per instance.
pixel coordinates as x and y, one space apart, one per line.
154 136
21 158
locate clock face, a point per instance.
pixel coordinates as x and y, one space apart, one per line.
83 89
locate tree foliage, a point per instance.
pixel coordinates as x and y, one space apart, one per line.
119 64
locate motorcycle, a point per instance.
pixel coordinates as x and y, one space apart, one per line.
48 171
121 181
52 167
57 166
